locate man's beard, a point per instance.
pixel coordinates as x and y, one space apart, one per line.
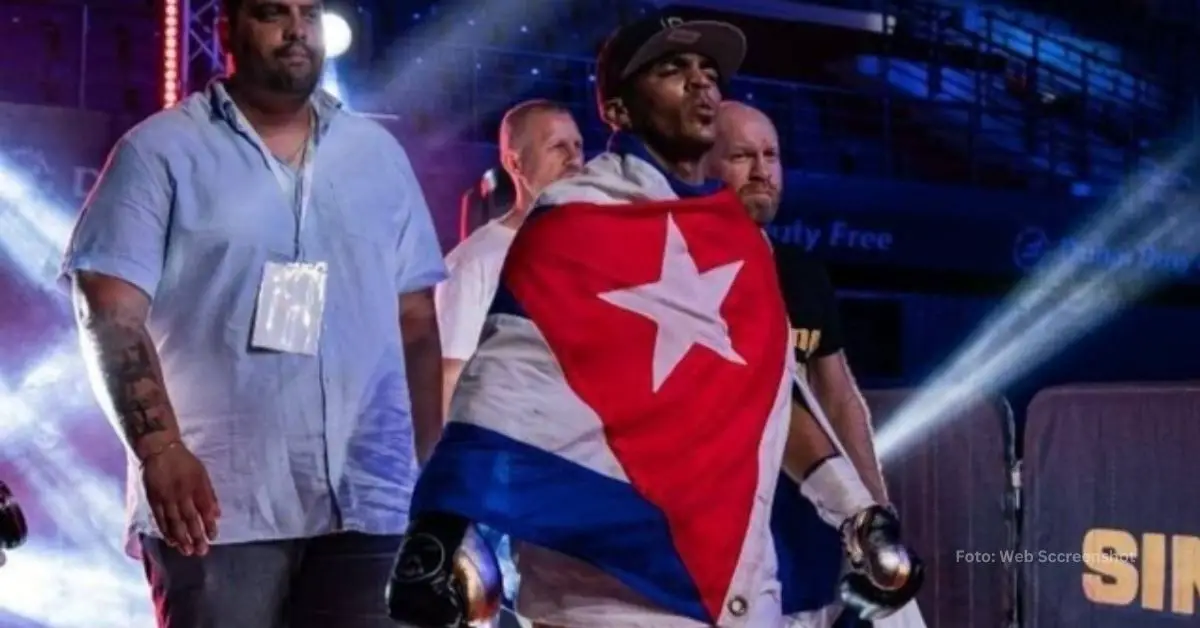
762 208
284 82
279 79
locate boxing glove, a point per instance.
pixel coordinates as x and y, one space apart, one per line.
444 576
884 575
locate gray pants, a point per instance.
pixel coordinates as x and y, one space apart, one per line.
332 581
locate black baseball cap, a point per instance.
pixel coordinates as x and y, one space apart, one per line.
631 48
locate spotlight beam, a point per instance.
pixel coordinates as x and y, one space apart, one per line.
1074 291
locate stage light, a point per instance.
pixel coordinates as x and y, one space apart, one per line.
338 35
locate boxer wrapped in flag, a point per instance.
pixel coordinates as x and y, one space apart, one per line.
626 415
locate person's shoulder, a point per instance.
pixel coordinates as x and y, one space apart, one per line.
363 126
569 190
170 127
490 235
368 132
794 263
486 246
380 165
594 184
553 194
371 139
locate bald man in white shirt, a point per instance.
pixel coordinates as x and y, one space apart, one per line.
540 143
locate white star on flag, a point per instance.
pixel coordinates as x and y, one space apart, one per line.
685 305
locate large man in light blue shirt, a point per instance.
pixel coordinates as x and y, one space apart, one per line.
252 277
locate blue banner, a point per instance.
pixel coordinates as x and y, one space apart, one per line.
972 231
1111 536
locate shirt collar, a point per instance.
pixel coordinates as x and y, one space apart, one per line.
625 144
325 105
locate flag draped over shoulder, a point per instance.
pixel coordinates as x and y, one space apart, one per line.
615 409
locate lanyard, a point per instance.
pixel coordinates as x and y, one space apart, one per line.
297 192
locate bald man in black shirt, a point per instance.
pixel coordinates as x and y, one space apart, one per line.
746 156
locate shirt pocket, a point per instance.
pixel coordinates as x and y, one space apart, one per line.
244 206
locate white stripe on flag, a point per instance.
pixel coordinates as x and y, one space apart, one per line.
514 386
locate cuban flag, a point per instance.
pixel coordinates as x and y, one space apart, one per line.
628 402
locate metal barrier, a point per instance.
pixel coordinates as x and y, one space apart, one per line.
1110 534
1156 39
955 497
1100 108
1069 66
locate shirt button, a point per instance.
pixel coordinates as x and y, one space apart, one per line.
738 606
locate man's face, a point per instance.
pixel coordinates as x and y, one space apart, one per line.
746 158
550 149
278 45
676 100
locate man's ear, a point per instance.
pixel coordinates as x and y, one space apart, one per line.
616 113
510 160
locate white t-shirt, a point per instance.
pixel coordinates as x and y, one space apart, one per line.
462 302
464 298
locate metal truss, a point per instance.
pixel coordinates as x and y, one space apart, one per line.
201 45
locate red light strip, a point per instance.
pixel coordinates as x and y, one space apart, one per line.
171 62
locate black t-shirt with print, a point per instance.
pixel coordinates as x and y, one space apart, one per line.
811 305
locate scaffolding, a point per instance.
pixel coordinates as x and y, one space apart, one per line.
202 55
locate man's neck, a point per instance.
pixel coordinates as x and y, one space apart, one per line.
687 168
520 210
269 111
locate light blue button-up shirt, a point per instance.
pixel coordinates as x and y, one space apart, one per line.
189 210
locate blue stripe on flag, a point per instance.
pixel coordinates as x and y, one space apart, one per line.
549 501
809 551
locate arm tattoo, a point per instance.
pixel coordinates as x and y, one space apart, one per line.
128 366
